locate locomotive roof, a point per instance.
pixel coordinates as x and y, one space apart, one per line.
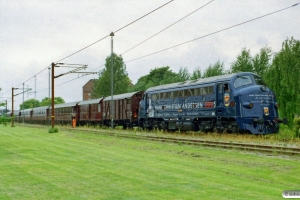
92 101
201 81
120 96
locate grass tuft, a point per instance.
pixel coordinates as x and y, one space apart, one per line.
53 130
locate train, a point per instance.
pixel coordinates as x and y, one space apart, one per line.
237 103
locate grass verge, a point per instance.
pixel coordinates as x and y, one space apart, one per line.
72 165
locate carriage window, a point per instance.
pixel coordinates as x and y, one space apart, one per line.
175 94
167 95
241 81
188 93
210 89
202 91
180 93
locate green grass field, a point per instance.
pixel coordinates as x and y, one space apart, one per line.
35 164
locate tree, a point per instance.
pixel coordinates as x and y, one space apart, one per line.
183 74
258 64
262 61
214 70
47 101
283 78
159 76
243 62
121 80
31 103
196 74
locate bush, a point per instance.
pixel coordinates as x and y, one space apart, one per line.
296 128
5 120
53 130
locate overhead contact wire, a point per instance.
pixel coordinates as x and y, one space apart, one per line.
114 31
214 33
166 27
102 38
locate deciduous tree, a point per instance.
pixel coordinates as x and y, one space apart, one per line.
121 81
283 78
31 103
214 70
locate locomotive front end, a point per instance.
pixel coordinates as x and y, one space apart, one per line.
257 109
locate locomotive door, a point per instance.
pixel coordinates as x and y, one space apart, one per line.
220 100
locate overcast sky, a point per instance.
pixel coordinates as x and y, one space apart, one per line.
35 33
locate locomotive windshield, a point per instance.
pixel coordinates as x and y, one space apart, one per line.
259 81
242 80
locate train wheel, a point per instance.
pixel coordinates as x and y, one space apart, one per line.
235 129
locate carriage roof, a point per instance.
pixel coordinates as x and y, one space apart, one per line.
92 101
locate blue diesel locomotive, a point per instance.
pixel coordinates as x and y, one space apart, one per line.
238 102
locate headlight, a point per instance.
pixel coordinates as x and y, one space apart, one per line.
248 105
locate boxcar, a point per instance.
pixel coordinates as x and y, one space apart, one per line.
125 112
90 112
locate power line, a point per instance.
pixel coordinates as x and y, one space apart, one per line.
114 31
166 27
213 33
198 38
195 38
101 39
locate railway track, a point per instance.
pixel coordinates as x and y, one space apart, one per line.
269 149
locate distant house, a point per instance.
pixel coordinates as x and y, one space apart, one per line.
87 89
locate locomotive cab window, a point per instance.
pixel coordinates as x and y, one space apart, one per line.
242 81
226 87
259 81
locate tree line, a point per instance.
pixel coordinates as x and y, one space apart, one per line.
280 70
33 103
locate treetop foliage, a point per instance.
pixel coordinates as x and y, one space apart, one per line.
258 64
121 81
33 103
283 77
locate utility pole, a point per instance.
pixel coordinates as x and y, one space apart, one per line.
6 108
112 83
12 107
49 85
23 100
35 87
23 104
52 94
77 68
